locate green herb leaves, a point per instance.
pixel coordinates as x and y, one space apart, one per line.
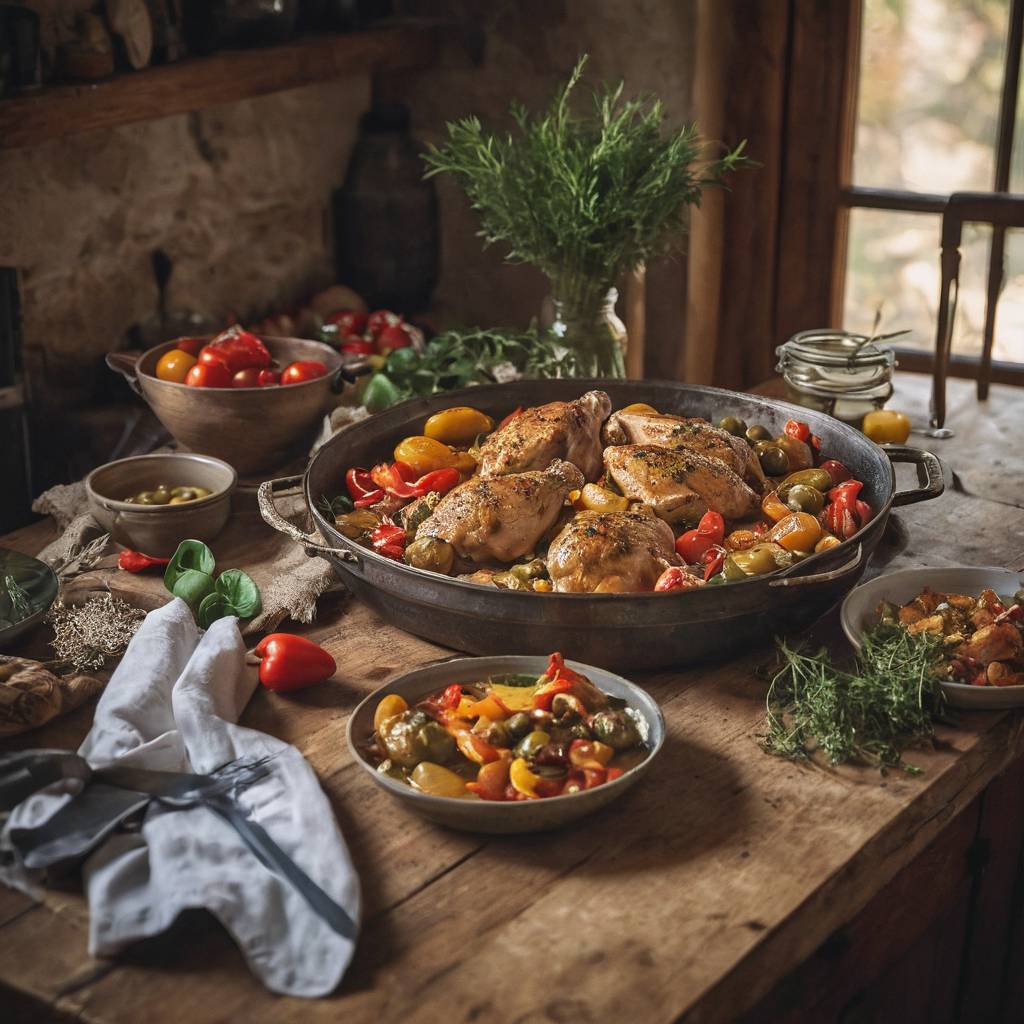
587 196
886 700
189 575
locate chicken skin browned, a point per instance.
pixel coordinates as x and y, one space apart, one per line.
679 484
611 552
501 519
558 430
684 432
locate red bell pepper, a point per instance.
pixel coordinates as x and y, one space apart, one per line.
389 540
713 559
360 483
802 432
136 561
239 349
290 662
440 480
846 513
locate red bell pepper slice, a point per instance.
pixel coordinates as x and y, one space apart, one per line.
543 697
369 499
360 483
440 480
450 697
846 513
713 559
388 540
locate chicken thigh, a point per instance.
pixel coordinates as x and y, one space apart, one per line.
679 484
558 430
501 519
683 432
611 552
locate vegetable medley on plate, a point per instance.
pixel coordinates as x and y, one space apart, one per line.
510 738
572 497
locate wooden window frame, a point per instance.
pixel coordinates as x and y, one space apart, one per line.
850 197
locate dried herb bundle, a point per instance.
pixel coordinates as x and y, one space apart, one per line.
868 713
101 627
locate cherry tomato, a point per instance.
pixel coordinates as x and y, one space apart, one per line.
302 370
268 378
349 321
247 378
173 366
355 345
213 374
210 354
379 319
692 544
190 345
393 336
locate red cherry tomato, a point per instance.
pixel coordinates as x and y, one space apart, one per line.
247 378
692 544
189 345
392 337
213 374
209 354
302 370
379 319
349 321
267 378
355 345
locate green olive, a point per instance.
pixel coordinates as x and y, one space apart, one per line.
355 524
758 433
518 725
759 560
772 458
180 500
528 746
188 493
161 496
145 498
432 554
510 581
819 479
202 492
535 570
734 425
615 728
802 498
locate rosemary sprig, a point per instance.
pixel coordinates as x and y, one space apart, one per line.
885 701
20 606
582 197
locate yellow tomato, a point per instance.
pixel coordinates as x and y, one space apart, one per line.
773 508
437 780
886 426
174 366
458 425
424 454
389 706
600 499
641 407
799 531
826 542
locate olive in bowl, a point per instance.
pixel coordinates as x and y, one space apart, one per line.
144 502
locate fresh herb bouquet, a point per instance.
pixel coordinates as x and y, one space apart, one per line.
583 198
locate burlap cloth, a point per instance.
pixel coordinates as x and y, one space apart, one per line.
290 581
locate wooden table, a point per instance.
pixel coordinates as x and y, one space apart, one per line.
731 884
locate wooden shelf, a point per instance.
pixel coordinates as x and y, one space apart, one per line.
224 77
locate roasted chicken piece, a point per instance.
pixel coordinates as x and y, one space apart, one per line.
1000 641
501 519
679 484
611 552
558 430
682 432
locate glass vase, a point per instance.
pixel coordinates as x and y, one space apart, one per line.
583 316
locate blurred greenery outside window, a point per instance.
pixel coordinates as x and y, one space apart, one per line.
930 80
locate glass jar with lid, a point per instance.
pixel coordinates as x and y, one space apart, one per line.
845 375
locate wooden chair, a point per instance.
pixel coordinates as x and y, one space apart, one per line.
1002 211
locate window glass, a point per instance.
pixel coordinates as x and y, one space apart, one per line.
928 96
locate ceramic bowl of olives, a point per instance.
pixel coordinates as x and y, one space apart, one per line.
151 503
433 741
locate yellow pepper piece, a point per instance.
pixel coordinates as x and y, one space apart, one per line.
515 698
465 463
488 707
641 407
826 542
599 499
524 780
592 754
799 531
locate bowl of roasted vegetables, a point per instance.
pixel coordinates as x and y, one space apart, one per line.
506 744
579 497
972 618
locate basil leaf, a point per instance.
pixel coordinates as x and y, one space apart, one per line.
192 555
239 591
215 606
192 586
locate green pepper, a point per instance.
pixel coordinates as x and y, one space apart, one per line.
380 393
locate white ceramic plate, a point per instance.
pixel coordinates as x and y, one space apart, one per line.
858 613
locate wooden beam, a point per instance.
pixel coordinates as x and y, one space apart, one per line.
226 77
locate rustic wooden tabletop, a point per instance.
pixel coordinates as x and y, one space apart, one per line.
694 895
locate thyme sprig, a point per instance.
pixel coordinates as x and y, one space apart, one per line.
868 713
582 197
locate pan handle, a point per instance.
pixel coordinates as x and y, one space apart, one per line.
124 364
929 473
823 577
268 510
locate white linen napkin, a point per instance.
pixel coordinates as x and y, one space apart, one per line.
172 704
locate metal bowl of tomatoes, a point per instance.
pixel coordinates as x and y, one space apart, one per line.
218 407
